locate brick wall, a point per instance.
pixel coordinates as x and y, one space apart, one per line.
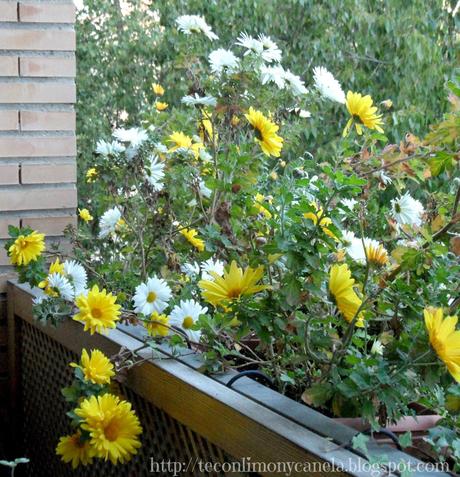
37 125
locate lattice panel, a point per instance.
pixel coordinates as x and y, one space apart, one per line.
45 371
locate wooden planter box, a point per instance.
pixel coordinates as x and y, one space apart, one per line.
193 424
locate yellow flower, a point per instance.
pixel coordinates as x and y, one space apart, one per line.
27 248
341 288
233 285
340 255
158 89
55 267
74 449
113 427
180 140
362 113
156 324
318 218
376 253
91 174
270 143
235 120
205 128
85 215
259 200
96 368
97 310
191 236
444 338
161 106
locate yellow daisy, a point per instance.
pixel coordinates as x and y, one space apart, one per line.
270 143
85 215
75 450
191 236
318 218
161 106
113 427
363 113
376 253
55 267
158 89
180 140
259 199
341 288
233 285
444 338
97 310
96 368
156 324
27 248
91 174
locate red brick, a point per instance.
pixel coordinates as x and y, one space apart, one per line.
45 67
48 173
36 199
57 40
47 120
4 223
9 174
8 11
9 65
23 146
9 120
47 12
17 92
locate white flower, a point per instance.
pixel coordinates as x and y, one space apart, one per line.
189 24
271 52
109 148
272 74
377 348
185 315
327 85
109 221
151 296
385 178
61 284
196 99
190 269
223 60
161 148
349 203
210 265
251 44
77 275
135 136
157 174
205 156
204 190
356 248
40 296
407 210
295 84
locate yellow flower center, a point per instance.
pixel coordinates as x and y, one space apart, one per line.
188 322
234 292
96 312
22 243
112 430
151 297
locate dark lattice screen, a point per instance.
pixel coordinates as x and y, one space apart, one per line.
45 371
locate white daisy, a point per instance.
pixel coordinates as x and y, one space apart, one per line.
189 24
205 156
185 315
109 221
196 99
295 84
250 43
77 275
377 348
205 191
109 148
152 296
223 60
156 175
61 284
161 148
349 203
407 210
210 265
40 296
270 52
385 178
190 269
272 74
354 246
327 85
135 136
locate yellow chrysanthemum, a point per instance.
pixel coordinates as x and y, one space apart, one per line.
259 199
205 129
363 113
160 106
97 310
91 174
75 450
180 140
376 254
85 215
113 427
191 236
318 218
156 324
270 143
158 89
341 288
55 267
233 285
444 338
96 368
27 248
